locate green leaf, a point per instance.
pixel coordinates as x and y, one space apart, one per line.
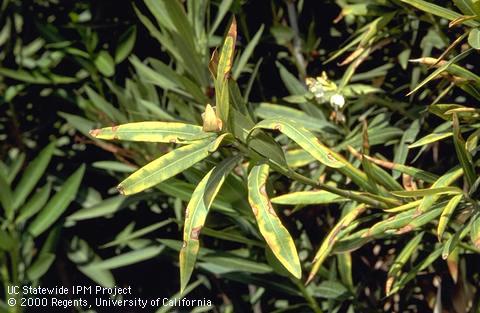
127 258
271 228
166 132
125 44
6 241
271 111
57 204
82 255
440 69
104 106
165 167
137 234
32 175
475 232
222 11
447 214
40 266
438 11
34 204
474 38
463 155
303 138
428 192
444 181
104 208
104 63
247 53
6 197
330 290
35 77
401 259
196 214
332 237
429 139
307 198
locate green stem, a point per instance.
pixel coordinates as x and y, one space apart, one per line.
306 294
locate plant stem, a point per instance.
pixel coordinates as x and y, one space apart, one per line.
306 294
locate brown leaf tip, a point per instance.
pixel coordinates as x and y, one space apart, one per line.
121 189
94 132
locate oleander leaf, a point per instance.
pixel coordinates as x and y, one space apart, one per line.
463 155
271 228
32 175
166 166
401 259
434 137
303 138
166 132
196 214
57 204
332 237
447 214
308 197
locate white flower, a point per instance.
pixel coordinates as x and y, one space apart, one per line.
337 101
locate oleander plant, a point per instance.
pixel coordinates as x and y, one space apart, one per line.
269 156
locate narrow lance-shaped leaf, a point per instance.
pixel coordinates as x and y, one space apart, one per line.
427 192
475 232
34 204
166 166
150 132
224 67
196 213
308 197
271 228
57 204
401 259
463 155
434 137
331 239
6 197
443 181
447 214
303 138
32 175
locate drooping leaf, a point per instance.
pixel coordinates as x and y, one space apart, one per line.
303 138
329 241
271 228
401 259
196 214
463 155
447 214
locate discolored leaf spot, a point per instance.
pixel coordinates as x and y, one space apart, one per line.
195 232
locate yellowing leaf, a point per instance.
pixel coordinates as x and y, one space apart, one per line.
303 138
271 228
446 214
308 197
150 132
165 167
331 239
196 214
